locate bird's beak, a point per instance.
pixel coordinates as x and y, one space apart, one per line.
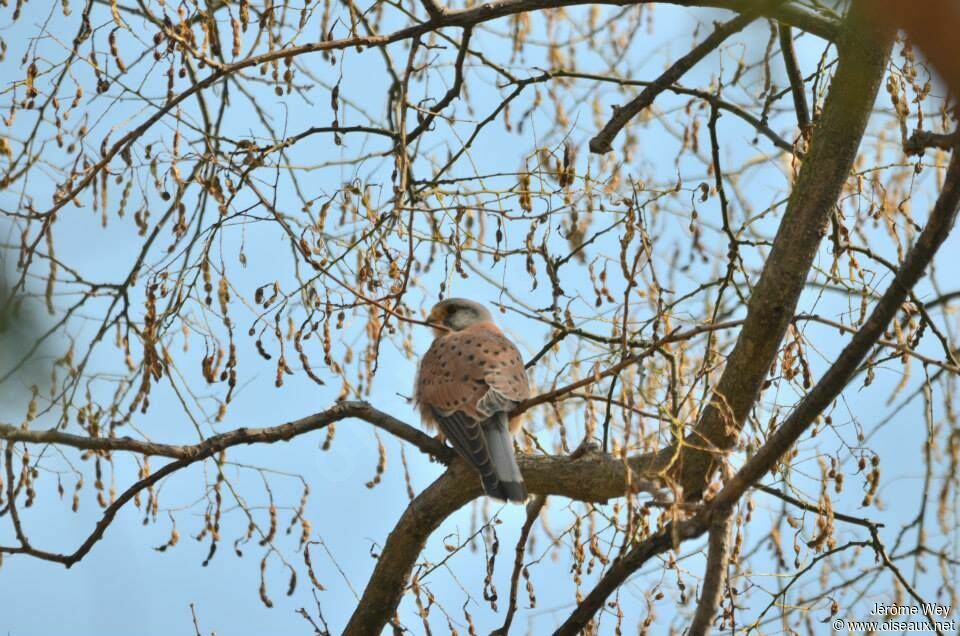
435 317
436 321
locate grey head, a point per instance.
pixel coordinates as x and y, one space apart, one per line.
458 313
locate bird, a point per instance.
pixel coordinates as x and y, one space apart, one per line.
467 383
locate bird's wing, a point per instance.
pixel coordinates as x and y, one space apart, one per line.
466 436
477 371
450 378
505 374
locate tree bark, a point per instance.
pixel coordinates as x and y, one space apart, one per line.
864 52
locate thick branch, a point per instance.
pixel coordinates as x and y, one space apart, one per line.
589 476
715 574
920 140
836 137
454 488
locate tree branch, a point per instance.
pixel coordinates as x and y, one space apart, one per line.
715 574
585 476
920 140
602 141
187 455
795 76
826 390
836 137
217 443
809 507
452 490
838 375
708 97
533 512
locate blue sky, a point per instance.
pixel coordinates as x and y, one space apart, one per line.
125 586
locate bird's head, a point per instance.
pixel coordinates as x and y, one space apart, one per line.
457 313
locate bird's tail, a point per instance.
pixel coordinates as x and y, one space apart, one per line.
506 482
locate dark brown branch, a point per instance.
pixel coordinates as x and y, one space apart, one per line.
715 574
434 10
189 454
317 130
920 140
12 498
881 552
451 94
795 77
454 488
603 140
101 527
809 566
583 476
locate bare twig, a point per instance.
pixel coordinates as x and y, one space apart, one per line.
674 336
623 567
839 516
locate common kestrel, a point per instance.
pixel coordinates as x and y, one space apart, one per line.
468 381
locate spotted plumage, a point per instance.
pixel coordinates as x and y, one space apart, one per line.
470 378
